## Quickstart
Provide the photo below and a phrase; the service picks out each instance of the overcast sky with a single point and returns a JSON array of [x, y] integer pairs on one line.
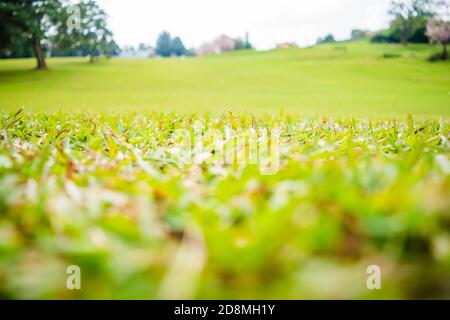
[[268, 21]]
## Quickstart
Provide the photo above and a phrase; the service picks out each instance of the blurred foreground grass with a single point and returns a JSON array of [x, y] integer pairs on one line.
[[111, 194]]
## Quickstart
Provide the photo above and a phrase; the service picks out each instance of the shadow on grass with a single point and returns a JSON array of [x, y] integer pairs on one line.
[[21, 72]]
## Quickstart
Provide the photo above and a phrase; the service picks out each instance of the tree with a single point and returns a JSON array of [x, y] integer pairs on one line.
[[439, 32], [143, 47], [110, 48], [177, 47], [408, 16], [438, 27], [248, 44], [167, 46], [164, 44], [358, 34], [329, 38], [15, 47], [441, 9], [243, 44], [239, 44], [89, 33], [30, 20]]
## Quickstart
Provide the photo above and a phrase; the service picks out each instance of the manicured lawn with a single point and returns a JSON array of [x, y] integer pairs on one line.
[[346, 78]]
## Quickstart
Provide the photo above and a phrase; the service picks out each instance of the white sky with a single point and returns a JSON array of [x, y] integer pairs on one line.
[[268, 21]]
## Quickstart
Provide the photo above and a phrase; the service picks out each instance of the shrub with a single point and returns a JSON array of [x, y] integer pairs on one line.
[[391, 55], [385, 38]]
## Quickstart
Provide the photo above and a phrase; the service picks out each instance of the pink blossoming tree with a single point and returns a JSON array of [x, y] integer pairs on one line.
[[438, 27]]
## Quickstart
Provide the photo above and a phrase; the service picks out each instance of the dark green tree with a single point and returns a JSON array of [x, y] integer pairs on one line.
[[408, 16], [329, 38], [14, 47], [241, 44], [167, 46], [86, 32], [177, 47], [164, 44], [31, 21]]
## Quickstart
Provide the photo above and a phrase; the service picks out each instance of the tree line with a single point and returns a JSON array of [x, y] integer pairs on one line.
[[36, 27], [418, 21], [166, 46], [412, 21], [59, 28]]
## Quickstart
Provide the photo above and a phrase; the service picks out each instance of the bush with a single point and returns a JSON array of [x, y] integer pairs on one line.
[[391, 36], [419, 36], [383, 38], [391, 55]]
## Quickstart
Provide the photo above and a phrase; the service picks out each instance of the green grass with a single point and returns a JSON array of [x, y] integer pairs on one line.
[[113, 195], [345, 78], [91, 176]]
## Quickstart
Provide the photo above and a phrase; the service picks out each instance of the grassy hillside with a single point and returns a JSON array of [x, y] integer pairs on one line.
[[348, 78]]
